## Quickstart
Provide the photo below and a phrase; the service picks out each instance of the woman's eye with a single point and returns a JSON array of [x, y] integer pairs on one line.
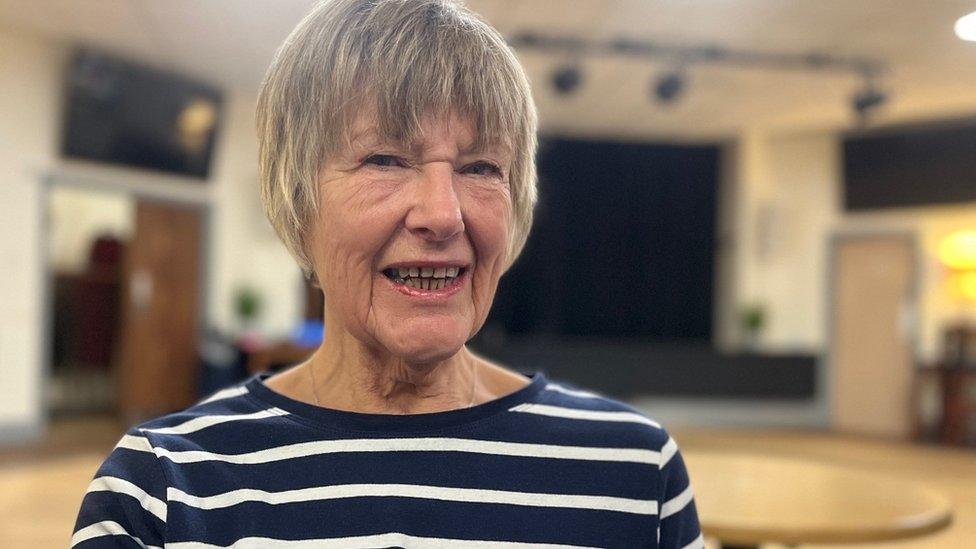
[[385, 161], [484, 169]]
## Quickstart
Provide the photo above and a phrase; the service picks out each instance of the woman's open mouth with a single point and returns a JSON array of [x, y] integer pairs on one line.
[[425, 278]]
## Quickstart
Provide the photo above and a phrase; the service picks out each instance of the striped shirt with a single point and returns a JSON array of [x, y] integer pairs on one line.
[[548, 466]]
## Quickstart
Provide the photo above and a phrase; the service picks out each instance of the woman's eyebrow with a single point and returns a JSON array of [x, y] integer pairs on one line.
[[371, 138], [366, 138]]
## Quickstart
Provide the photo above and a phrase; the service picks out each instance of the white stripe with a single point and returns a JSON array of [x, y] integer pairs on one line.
[[203, 422], [133, 442], [667, 451], [154, 505], [442, 493], [392, 539], [576, 413], [105, 528], [677, 503], [697, 543], [561, 389], [229, 392], [304, 449]]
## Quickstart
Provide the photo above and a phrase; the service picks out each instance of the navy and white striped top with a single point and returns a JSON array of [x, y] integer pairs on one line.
[[547, 466]]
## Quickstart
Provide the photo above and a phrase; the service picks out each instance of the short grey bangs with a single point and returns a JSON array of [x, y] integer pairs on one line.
[[406, 59]]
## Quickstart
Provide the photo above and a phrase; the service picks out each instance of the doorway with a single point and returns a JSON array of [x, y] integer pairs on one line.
[[873, 340], [125, 280]]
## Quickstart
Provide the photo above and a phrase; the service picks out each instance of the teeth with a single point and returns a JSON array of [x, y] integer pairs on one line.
[[424, 278]]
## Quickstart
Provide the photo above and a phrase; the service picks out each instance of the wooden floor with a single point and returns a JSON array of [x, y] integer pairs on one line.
[[41, 487]]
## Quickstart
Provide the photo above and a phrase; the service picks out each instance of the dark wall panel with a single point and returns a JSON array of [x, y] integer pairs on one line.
[[910, 166]]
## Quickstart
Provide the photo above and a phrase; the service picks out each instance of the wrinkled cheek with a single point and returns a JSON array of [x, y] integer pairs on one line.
[[335, 271], [492, 246]]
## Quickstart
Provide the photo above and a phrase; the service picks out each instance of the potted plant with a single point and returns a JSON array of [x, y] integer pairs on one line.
[[753, 319]]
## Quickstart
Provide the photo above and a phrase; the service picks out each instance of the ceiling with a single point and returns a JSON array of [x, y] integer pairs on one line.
[[932, 73]]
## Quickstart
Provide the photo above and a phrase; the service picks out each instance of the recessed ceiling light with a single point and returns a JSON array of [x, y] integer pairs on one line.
[[966, 27]]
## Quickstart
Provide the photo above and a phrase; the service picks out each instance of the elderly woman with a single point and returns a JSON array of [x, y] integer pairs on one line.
[[397, 163]]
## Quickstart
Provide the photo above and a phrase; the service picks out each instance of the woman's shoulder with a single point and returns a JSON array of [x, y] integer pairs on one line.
[[214, 408], [213, 424], [585, 410]]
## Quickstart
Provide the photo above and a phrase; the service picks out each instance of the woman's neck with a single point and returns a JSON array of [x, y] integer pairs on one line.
[[344, 374], [347, 375]]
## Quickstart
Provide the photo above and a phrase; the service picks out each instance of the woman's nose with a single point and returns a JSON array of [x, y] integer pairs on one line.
[[436, 211]]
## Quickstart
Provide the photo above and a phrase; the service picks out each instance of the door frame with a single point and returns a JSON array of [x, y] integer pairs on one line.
[[136, 185], [837, 238]]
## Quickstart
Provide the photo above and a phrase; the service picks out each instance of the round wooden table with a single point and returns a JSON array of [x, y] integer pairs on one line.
[[744, 500]]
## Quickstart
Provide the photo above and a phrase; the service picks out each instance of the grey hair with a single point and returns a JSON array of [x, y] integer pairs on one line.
[[412, 58]]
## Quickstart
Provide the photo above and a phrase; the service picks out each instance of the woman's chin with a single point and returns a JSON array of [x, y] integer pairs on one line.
[[425, 348]]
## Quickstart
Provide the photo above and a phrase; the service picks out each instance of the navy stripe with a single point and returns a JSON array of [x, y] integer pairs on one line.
[[461, 470], [362, 516]]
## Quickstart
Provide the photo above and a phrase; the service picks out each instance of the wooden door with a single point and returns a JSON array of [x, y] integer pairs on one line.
[[873, 340], [157, 369]]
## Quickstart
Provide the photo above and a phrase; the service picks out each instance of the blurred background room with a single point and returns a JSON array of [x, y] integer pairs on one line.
[[757, 225]]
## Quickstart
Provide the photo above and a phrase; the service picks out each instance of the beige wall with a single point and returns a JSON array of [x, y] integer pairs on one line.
[[31, 84], [241, 247], [76, 217], [788, 205], [781, 209], [245, 250]]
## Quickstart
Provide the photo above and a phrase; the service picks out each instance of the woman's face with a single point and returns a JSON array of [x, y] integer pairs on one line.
[[410, 240]]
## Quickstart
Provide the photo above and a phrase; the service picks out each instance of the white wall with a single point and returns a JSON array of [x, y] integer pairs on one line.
[[242, 249], [797, 216], [246, 251], [789, 206], [31, 85], [783, 194], [76, 217]]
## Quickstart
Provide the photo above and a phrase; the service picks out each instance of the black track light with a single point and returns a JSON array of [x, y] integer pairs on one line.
[[567, 79], [867, 101], [669, 87]]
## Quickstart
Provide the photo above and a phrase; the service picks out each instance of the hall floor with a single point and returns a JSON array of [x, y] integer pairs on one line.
[[42, 485]]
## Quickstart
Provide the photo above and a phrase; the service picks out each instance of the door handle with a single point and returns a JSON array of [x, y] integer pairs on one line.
[[141, 290]]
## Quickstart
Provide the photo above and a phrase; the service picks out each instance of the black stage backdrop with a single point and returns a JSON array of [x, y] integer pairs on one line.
[[623, 244]]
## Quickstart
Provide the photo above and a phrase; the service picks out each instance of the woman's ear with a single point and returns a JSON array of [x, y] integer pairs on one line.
[[312, 279]]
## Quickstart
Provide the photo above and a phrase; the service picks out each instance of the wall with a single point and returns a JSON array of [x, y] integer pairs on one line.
[[795, 218], [782, 188], [31, 83], [76, 217], [245, 250], [242, 249], [788, 202]]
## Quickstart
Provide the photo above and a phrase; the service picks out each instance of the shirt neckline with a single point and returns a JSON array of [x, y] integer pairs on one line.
[[359, 421]]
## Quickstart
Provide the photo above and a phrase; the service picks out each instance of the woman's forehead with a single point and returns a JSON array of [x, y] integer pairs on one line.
[[367, 131]]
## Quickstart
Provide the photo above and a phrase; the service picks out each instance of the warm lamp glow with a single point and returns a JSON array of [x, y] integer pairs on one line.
[[967, 285], [966, 27], [962, 286], [958, 251]]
